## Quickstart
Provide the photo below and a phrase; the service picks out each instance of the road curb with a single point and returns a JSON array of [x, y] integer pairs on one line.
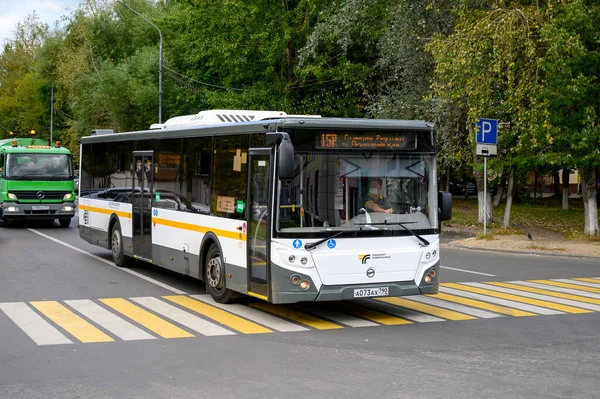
[[514, 251]]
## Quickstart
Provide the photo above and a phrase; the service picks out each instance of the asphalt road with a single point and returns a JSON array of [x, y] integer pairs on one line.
[[74, 326]]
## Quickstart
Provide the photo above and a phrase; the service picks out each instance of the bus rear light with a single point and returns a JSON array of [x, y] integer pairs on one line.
[[427, 279], [432, 273], [295, 279], [305, 285]]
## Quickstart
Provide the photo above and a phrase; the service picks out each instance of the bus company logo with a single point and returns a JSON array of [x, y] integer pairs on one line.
[[114, 205], [370, 272], [40, 195], [364, 258]]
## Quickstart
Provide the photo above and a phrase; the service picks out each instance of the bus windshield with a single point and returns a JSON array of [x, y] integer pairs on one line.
[[362, 191], [38, 166]]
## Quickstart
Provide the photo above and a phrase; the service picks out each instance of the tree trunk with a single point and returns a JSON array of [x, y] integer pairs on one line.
[[498, 197], [565, 190], [589, 189], [509, 196], [556, 181]]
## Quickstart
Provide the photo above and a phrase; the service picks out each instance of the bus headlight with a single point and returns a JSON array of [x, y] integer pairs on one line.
[[12, 196], [427, 279], [68, 196], [305, 285]]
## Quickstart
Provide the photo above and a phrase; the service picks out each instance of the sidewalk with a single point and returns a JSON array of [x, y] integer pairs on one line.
[[542, 242]]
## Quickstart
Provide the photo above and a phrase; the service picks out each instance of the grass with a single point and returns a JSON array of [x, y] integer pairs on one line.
[[546, 214]]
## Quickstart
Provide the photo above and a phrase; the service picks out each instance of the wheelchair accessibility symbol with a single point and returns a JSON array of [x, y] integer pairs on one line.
[[155, 212], [331, 244]]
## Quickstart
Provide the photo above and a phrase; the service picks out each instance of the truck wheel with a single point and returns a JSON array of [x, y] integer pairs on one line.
[[215, 277], [116, 241], [64, 222]]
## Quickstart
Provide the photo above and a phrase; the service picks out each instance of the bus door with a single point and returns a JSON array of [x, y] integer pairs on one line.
[[259, 220], [141, 199]]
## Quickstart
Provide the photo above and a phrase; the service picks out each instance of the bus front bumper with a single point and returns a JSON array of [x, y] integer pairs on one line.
[[20, 211]]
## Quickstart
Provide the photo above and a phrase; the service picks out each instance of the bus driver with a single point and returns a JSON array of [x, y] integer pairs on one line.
[[375, 200]]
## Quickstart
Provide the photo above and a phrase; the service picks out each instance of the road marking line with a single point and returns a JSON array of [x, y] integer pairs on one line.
[[223, 317], [334, 315], [373, 315], [109, 321], [499, 301], [468, 271], [34, 325], [146, 319], [514, 298], [568, 302], [257, 316], [434, 301], [421, 307], [567, 285], [70, 322], [577, 298], [182, 317], [300, 317], [581, 281], [400, 312], [557, 289], [482, 305], [134, 273]]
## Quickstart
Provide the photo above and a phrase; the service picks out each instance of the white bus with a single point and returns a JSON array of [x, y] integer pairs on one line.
[[280, 207]]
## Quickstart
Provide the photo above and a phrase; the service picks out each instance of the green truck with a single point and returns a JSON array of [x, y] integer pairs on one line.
[[36, 181]]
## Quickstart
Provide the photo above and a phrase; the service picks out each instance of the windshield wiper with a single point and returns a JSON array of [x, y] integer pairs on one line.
[[401, 224], [312, 245]]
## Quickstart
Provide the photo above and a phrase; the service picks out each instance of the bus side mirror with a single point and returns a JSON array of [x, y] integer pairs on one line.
[[285, 154], [445, 206]]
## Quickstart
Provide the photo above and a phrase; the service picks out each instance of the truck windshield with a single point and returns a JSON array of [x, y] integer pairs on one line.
[[371, 192], [38, 166]]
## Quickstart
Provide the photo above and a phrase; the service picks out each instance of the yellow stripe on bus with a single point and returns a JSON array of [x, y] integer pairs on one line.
[[567, 285], [201, 229], [517, 298], [547, 292], [223, 317], [373, 315], [482, 305], [424, 308], [70, 322], [297, 316], [146, 319], [105, 211]]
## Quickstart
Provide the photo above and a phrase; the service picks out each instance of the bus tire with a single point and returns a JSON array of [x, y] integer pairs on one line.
[[64, 222], [215, 277], [116, 241]]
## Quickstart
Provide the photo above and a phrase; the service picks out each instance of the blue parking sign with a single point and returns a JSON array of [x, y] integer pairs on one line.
[[487, 132]]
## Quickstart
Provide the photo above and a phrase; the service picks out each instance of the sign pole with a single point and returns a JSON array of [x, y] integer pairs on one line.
[[484, 196]]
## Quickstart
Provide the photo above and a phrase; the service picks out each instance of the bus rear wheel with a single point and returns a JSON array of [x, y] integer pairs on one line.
[[116, 241], [215, 277]]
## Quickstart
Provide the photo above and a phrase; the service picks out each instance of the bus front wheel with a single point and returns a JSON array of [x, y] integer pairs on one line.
[[64, 222], [116, 241], [214, 277]]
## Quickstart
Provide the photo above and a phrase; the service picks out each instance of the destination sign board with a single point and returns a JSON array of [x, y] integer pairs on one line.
[[364, 140]]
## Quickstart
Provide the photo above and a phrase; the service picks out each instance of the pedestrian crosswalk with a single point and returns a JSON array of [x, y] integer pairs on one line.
[[188, 316]]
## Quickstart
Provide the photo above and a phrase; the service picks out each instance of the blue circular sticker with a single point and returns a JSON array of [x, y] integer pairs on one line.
[[331, 244], [297, 243]]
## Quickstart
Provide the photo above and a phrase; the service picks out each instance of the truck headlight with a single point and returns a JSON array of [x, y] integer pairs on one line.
[[68, 196], [12, 196]]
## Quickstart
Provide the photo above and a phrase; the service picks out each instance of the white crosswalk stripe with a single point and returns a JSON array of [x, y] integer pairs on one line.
[[557, 289], [484, 314], [38, 329], [182, 317], [577, 282], [500, 301], [338, 317], [111, 322], [548, 298], [252, 314], [401, 312]]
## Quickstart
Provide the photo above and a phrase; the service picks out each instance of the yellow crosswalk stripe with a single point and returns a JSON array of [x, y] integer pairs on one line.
[[300, 317], [70, 322], [567, 285], [223, 317], [482, 305], [587, 280], [373, 315], [424, 308], [517, 298], [146, 319], [546, 292]]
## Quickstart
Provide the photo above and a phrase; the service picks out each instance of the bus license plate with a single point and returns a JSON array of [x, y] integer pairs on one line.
[[369, 292], [40, 208]]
